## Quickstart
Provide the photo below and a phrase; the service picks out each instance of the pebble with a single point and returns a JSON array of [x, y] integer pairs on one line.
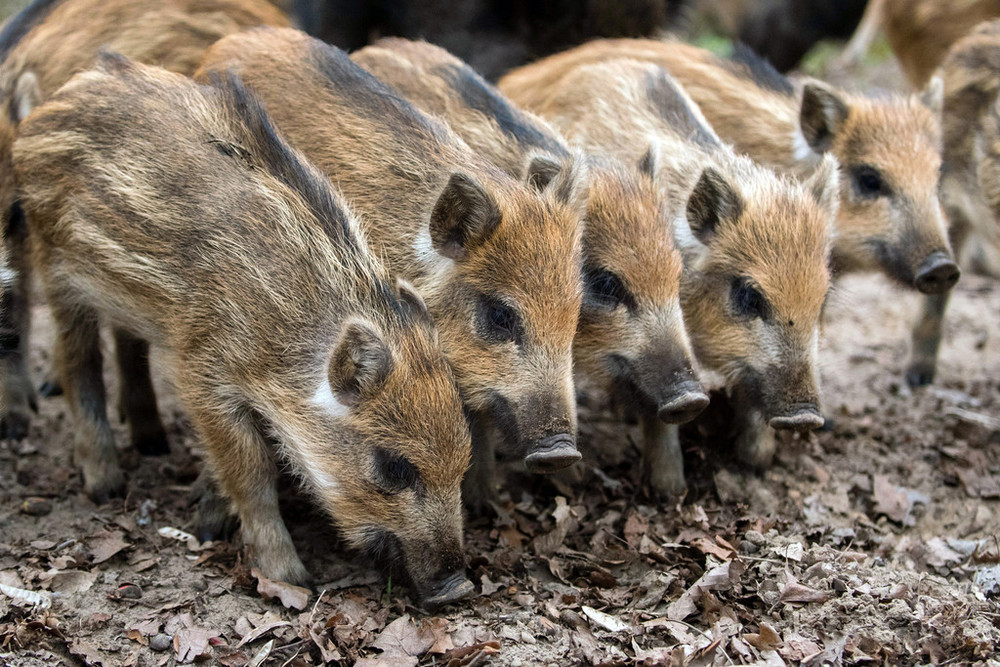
[[160, 642]]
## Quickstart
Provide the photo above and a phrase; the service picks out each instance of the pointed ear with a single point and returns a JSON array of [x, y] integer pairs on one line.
[[571, 185], [822, 114], [650, 160], [824, 184], [541, 170], [932, 96], [463, 217], [27, 96], [360, 363], [712, 201], [413, 302]]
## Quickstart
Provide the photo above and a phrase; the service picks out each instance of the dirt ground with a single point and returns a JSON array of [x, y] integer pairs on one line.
[[877, 542]]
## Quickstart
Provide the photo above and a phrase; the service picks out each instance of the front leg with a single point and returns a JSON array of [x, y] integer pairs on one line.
[[247, 475], [662, 456], [755, 443], [136, 397], [479, 483]]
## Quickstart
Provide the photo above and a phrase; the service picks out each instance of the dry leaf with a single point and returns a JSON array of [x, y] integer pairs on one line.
[[606, 621], [719, 578], [438, 628], [260, 656], [192, 643], [26, 597], [69, 582], [796, 592], [766, 640], [268, 623], [105, 545], [88, 653], [290, 595], [890, 499], [403, 637]]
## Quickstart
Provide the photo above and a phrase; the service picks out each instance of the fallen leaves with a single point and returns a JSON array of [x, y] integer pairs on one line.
[[721, 577], [290, 596], [105, 545], [605, 621]]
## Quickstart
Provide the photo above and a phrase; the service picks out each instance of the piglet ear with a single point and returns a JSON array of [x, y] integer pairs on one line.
[[650, 160], [413, 302], [464, 216], [27, 96], [822, 115], [712, 202], [360, 363], [824, 184], [541, 172]]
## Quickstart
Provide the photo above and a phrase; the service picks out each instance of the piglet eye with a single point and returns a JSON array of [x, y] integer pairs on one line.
[[498, 321], [869, 182], [605, 288], [395, 472], [747, 300]]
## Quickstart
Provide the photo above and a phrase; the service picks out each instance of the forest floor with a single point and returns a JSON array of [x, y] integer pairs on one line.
[[876, 542]]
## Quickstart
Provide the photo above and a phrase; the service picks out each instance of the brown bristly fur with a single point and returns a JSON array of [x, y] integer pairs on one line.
[[768, 232], [922, 31], [482, 247], [634, 341], [174, 212], [971, 139], [888, 148], [42, 47]]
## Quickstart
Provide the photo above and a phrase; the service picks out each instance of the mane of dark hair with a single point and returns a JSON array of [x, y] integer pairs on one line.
[[370, 95], [760, 70], [666, 97], [20, 24], [486, 99], [265, 149]]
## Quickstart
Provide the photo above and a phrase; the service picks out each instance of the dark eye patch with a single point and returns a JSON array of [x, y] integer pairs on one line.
[[394, 471], [869, 182], [499, 322], [748, 301], [606, 289]]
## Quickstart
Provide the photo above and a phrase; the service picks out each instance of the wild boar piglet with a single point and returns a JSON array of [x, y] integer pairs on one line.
[[631, 336], [756, 247], [41, 47], [497, 261], [175, 212], [888, 148]]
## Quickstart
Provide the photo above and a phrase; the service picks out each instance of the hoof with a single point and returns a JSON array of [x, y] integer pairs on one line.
[[552, 454], [668, 487], [112, 487], [920, 375], [151, 444], [50, 389], [14, 426]]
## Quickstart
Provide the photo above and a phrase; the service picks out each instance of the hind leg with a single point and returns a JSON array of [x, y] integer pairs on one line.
[[136, 398], [78, 356], [17, 397]]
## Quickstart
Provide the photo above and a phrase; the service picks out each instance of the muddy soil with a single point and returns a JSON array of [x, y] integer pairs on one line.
[[874, 542]]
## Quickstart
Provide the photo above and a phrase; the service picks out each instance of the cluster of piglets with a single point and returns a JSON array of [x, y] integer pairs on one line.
[[378, 270]]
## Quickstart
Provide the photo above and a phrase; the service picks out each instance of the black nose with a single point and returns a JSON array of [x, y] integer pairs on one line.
[[685, 405], [937, 274], [800, 418], [552, 453], [452, 588]]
